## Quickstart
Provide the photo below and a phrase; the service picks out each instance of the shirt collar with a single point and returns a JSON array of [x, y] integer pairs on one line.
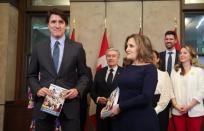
[[114, 69], [61, 41], [173, 51]]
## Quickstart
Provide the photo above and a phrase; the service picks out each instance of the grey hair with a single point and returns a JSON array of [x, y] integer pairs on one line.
[[113, 49]]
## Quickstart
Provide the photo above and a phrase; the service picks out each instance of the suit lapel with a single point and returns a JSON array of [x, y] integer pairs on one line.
[[66, 53], [165, 60], [104, 74], [48, 56], [177, 56], [116, 75]]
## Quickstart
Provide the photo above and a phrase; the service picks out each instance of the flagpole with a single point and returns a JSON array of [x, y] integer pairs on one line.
[[175, 22], [105, 24], [74, 23], [142, 17], [140, 22], [140, 26], [105, 15]]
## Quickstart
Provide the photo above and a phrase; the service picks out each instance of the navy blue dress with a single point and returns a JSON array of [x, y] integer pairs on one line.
[[137, 85]]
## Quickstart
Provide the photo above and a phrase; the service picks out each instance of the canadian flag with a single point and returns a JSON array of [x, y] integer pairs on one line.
[[72, 37], [102, 57], [100, 64], [177, 44]]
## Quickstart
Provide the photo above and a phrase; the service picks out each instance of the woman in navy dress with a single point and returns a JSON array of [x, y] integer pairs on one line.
[[137, 83]]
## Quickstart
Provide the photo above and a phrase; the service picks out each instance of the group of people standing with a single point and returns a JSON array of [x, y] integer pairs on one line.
[[153, 86], [147, 92]]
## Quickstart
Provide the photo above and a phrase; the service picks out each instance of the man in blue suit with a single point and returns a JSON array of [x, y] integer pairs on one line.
[[59, 61]]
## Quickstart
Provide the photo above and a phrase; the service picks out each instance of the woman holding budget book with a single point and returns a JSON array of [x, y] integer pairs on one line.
[[137, 84]]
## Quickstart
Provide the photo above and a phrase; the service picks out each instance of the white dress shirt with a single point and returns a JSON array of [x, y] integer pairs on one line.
[[107, 73], [114, 72]]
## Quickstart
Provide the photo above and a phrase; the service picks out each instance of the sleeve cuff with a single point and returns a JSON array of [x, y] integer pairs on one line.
[[198, 99], [157, 109]]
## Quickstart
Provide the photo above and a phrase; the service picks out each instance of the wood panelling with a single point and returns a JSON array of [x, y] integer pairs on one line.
[[17, 117]]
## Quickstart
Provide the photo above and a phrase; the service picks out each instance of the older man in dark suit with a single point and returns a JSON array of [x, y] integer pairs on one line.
[[104, 84], [59, 61]]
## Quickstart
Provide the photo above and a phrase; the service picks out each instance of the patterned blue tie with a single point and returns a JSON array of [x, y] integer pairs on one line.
[[55, 55], [169, 63]]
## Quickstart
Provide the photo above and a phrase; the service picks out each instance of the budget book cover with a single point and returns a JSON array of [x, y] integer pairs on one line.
[[53, 104]]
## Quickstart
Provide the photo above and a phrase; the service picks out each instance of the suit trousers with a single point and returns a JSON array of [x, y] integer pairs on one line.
[[164, 118], [48, 123], [103, 124]]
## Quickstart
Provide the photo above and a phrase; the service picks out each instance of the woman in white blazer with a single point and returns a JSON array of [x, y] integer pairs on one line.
[[188, 87]]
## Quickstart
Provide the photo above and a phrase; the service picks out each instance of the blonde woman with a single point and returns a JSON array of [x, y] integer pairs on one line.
[[188, 87]]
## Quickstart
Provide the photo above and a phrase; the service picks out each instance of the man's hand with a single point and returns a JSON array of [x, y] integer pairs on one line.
[[102, 100], [43, 92], [71, 94]]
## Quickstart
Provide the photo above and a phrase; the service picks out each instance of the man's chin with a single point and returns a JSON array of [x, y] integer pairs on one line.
[[57, 36], [169, 47]]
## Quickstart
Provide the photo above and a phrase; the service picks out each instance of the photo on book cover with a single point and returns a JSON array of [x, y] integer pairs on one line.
[[112, 100], [53, 104]]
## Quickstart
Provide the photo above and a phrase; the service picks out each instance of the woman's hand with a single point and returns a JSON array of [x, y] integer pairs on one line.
[[115, 110], [181, 108]]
